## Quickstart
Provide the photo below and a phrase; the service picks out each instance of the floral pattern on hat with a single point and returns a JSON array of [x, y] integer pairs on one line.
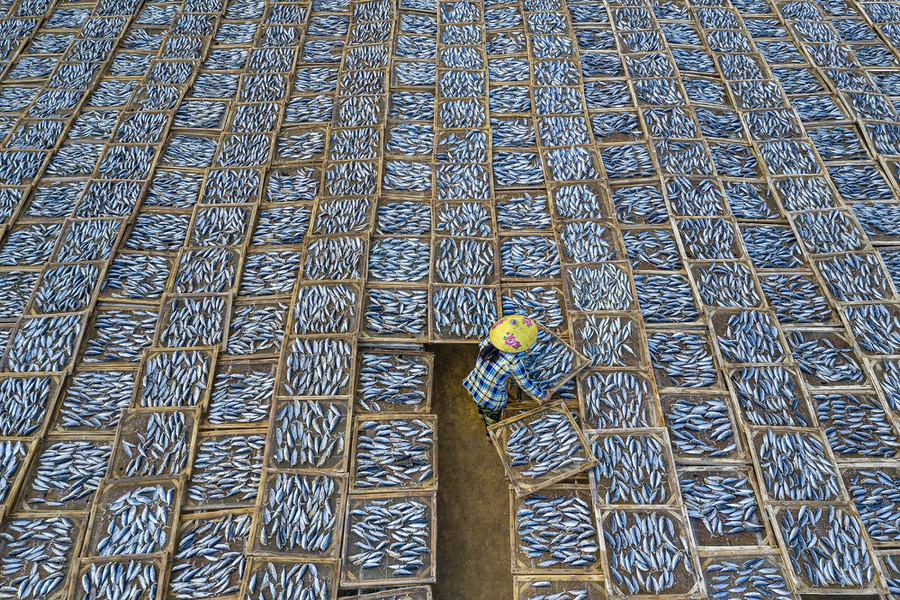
[[511, 340]]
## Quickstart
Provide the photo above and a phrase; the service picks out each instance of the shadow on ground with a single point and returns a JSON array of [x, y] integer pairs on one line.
[[473, 493]]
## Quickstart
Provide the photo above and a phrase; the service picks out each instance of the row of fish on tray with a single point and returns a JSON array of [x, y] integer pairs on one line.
[[643, 70], [760, 406], [551, 527], [511, 168], [751, 576], [781, 405], [848, 276], [704, 238], [654, 288], [607, 339]]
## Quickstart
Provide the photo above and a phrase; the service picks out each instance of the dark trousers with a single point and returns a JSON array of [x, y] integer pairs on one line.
[[490, 416]]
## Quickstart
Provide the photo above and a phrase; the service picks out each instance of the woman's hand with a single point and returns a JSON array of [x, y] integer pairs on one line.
[[546, 397]]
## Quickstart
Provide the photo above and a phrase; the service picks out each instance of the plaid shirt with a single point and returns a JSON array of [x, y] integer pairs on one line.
[[487, 381]]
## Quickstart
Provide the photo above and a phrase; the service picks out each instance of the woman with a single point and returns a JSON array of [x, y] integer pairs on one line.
[[498, 358]]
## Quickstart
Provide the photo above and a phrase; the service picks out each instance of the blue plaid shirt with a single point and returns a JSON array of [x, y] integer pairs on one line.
[[487, 381]]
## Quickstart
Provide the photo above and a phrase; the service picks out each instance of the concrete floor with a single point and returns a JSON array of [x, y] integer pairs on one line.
[[473, 493]]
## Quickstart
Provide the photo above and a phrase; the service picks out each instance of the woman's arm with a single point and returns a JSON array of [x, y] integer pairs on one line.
[[531, 387]]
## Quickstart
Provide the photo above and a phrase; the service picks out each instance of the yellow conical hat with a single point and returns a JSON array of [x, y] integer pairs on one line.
[[514, 333]]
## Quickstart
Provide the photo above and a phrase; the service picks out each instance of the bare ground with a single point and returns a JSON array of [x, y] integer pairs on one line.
[[473, 493]]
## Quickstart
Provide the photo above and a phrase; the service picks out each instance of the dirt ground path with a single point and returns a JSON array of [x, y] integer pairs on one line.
[[473, 493]]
